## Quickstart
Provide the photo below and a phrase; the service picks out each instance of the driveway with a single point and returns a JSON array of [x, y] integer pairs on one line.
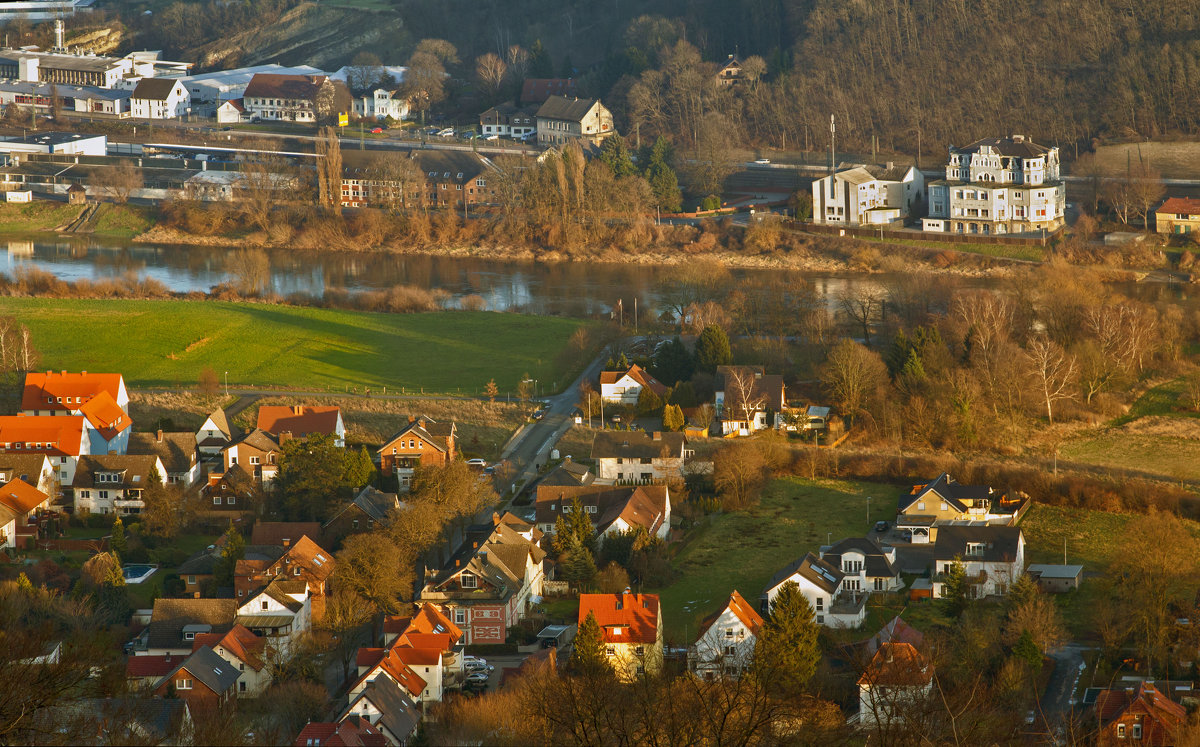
[[1058, 699]]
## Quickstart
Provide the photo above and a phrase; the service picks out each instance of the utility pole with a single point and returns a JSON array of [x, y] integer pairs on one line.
[[868, 510], [635, 314]]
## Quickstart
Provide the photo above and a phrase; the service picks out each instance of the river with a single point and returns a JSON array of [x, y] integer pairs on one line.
[[580, 289]]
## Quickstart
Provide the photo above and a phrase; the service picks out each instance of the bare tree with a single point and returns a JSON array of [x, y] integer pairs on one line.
[[862, 307], [851, 375], [491, 70], [364, 72], [251, 269], [396, 182], [742, 390], [1052, 371], [329, 168], [518, 61], [118, 182]]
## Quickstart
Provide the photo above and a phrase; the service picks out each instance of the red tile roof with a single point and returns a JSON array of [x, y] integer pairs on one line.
[[21, 497], [638, 374], [417, 657], [369, 657], [1180, 206], [623, 618], [309, 555], [105, 415], [897, 664], [353, 731], [239, 641], [275, 85], [399, 670], [299, 420], [79, 387], [429, 619], [152, 666], [276, 532], [436, 641], [741, 609], [53, 435]]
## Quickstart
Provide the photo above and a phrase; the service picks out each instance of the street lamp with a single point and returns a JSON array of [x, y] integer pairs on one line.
[[226, 383], [868, 510]]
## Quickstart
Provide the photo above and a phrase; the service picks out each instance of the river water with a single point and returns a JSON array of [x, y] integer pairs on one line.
[[581, 289]]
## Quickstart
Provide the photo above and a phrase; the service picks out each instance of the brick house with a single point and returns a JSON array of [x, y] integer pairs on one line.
[[422, 442], [204, 681], [1142, 716], [302, 421], [258, 452], [488, 582]]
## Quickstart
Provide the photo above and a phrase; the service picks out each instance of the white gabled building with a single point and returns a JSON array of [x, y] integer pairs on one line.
[[725, 647], [993, 556], [866, 566], [115, 483], [868, 195], [160, 98], [624, 387], [280, 613], [998, 186], [821, 584]]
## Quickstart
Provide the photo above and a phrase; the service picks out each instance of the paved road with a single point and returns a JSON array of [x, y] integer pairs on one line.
[[1058, 700]]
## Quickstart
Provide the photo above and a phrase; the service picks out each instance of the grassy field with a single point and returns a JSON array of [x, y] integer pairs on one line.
[[1175, 160], [1000, 251], [168, 344], [117, 221], [1172, 458], [743, 550]]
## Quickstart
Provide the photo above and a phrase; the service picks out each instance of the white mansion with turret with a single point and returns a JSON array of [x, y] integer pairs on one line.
[[998, 186]]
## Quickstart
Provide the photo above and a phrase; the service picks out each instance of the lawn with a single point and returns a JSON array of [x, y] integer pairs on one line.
[[1028, 252], [1172, 458], [1091, 536], [743, 550], [168, 344], [42, 215], [121, 221]]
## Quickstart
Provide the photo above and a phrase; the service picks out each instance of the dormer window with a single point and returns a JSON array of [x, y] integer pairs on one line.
[[469, 581], [975, 548]]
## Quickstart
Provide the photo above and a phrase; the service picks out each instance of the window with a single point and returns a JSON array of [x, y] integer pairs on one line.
[[730, 650], [1137, 731], [296, 571], [921, 505], [189, 636], [254, 460], [242, 684], [729, 632], [191, 580], [182, 684], [263, 604], [646, 460], [820, 604], [460, 616], [216, 500], [1120, 731], [469, 581], [641, 650], [230, 500], [610, 650]]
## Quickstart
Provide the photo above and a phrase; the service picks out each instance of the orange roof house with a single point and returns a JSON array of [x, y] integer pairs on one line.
[[626, 386], [42, 434], [897, 678], [53, 393], [106, 416], [631, 627], [302, 421], [428, 620], [22, 498]]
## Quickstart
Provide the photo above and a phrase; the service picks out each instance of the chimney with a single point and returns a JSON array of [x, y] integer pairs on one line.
[[1018, 138], [656, 436], [891, 165], [297, 409], [62, 373], [411, 419], [483, 555], [285, 437], [160, 435], [287, 542], [421, 422], [81, 373]]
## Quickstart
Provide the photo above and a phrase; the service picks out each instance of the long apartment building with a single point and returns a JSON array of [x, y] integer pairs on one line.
[[1007, 185]]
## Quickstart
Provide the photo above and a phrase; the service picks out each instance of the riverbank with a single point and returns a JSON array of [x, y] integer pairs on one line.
[[111, 220], [159, 343]]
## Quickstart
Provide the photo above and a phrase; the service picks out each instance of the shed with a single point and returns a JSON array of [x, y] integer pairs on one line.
[[1055, 579], [922, 588], [556, 636], [76, 194]]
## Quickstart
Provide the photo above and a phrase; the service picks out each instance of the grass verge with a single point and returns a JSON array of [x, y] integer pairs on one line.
[[1000, 251], [168, 344]]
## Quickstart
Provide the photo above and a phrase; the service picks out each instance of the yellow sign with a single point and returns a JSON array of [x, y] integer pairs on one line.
[[343, 120]]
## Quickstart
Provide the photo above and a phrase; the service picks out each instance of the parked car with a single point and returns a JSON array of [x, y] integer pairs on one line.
[[882, 526], [476, 661], [448, 132], [376, 130], [492, 137], [762, 161], [539, 414], [489, 470], [477, 678], [476, 462]]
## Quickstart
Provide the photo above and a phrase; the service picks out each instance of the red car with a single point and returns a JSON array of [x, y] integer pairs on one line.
[[377, 131]]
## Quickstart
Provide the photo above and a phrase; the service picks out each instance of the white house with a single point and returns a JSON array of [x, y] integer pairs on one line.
[[624, 387], [381, 104], [821, 584], [637, 456], [280, 612], [215, 434], [178, 452], [231, 111], [114, 483], [287, 98], [725, 647], [998, 186], [560, 119], [506, 120], [747, 399], [867, 195], [993, 556], [865, 565], [159, 98], [898, 678], [388, 708]]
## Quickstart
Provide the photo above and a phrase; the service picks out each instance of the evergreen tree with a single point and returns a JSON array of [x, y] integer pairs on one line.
[[684, 395], [787, 652], [117, 542], [233, 551], [615, 154], [664, 183], [360, 470], [672, 418], [1023, 590], [712, 349], [673, 362], [540, 64], [648, 401], [1027, 651], [622, 363], [954, 588], [579, 567], [589, 656]]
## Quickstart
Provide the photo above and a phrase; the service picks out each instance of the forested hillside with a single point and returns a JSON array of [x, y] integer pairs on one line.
[[952, 69]]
